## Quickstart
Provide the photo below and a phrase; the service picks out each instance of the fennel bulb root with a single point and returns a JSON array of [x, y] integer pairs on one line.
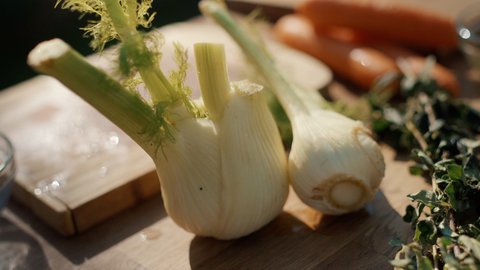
[[334, 165], [220, 160]]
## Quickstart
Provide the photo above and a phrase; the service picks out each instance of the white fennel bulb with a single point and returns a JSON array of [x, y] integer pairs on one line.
[[226, 177], [222, 166], [334, 164]]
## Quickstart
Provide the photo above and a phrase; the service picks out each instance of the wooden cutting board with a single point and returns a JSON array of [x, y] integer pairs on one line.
[[75, 168]]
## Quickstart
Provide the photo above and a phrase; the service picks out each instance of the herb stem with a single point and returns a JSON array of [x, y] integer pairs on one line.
[[416, 134], [435, 257], [428, 110]]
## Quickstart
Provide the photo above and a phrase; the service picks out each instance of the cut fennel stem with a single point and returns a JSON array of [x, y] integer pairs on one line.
[[334, 165], [223, 177]]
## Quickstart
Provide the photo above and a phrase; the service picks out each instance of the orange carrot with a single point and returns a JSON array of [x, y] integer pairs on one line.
[[391, 20], [444, 77], [345, 34], [356, 56], [361, 65]]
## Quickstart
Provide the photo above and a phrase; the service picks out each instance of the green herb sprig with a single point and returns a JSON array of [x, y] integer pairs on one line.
[[442, 134]]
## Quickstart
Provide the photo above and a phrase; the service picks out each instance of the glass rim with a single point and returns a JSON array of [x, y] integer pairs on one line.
[[9, 153]]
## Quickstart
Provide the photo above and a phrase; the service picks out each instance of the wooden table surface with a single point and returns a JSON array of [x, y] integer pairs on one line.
[[146, 238]]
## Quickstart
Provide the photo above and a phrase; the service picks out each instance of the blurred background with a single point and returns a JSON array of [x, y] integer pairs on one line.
[[25, 23]]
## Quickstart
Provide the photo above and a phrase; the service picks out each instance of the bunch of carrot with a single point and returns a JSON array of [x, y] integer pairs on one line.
[[363, 40]]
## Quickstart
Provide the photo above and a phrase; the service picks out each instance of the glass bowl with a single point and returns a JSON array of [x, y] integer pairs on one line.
[[7, 169]]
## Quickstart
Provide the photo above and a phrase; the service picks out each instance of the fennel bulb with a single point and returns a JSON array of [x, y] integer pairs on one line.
[[220, 160], [334, 165]]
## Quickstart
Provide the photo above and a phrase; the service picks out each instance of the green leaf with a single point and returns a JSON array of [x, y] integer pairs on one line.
[[410, 214], [426, 197], [451, 191], [422, 158], [424, 263], [425, 232], [380, 125], [417, 169], [442, 165], [455, 171], [445, 241]]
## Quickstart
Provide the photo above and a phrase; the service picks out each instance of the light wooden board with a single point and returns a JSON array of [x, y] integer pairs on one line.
[[75, 168]]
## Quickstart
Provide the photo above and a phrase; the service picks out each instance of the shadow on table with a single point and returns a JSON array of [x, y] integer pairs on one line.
[[19, 250], [354, 241], [80, 248]]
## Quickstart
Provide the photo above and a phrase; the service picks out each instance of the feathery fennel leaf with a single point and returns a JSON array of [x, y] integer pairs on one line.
[[177, 79], [139, 56], [101, 28]]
